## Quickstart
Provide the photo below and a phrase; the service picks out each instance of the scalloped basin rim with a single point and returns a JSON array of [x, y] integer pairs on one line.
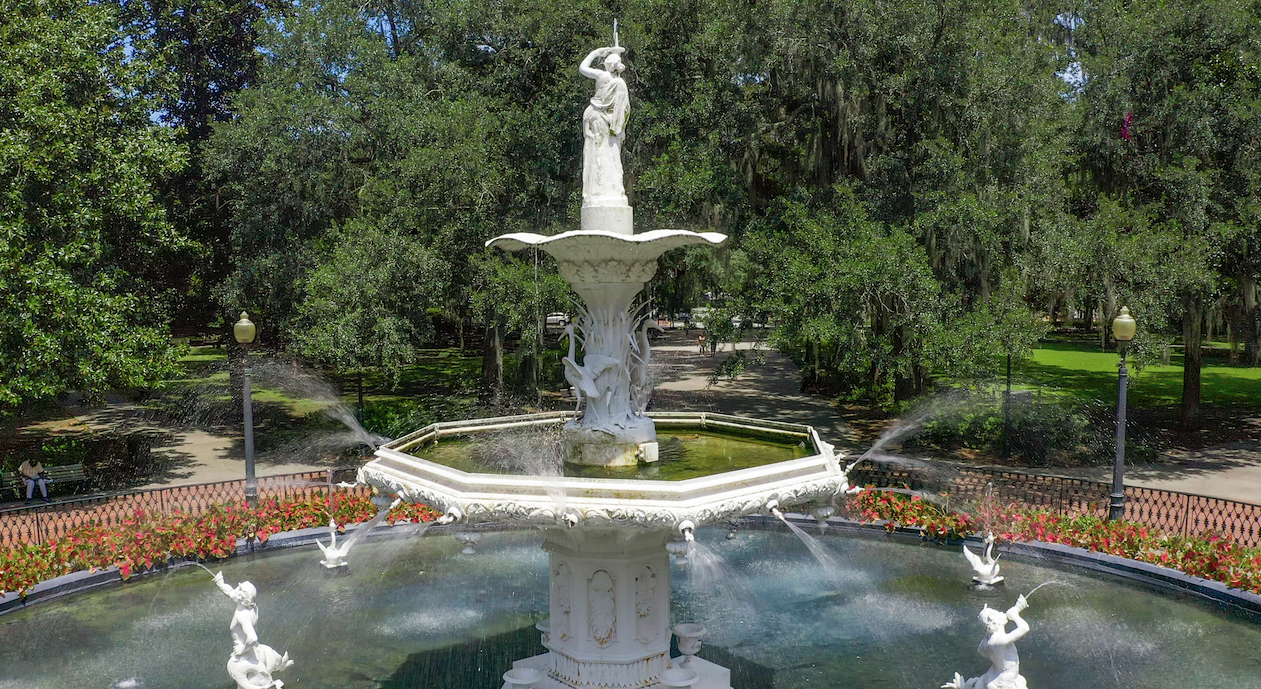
[[628, 485], [532, 239]]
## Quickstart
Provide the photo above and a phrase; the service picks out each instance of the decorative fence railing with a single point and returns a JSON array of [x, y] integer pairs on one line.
[[1168, 511], [42, 523]]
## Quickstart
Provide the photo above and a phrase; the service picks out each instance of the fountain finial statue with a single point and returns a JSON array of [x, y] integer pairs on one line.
[[251, 664], [999, 647], [603, 126], [607, 264]]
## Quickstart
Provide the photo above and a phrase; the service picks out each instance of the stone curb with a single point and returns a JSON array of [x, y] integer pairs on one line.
[[1144, 573]]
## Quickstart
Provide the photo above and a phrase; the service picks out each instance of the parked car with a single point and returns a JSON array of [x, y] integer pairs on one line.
[[556, 321]]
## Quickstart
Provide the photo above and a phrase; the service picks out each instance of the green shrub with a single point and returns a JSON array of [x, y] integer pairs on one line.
[[397, 418], [1041, 433]]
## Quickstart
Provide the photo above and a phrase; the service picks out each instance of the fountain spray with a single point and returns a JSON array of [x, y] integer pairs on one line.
[[1053, 581]]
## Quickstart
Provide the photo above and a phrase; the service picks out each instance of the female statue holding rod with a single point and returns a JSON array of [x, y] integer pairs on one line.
[[603, 125]]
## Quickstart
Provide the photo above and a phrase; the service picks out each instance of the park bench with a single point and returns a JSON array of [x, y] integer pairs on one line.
[[69, 473]]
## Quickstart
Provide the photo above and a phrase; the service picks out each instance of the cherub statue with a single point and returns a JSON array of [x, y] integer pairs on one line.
[[986, 567], [603, 125], [252, 664], [1000, 649]]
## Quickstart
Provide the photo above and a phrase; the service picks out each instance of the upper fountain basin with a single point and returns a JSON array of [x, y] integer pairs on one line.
[[782, 476], [595, 256]]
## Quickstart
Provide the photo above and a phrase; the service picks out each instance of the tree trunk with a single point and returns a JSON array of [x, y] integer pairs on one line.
[[1251, 334], [1192, 318], [492, 362], [459, 333], [360, 396], [906, 380], [1103, 327]]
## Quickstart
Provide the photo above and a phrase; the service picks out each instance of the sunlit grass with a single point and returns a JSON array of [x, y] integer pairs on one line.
[[1084, 372]]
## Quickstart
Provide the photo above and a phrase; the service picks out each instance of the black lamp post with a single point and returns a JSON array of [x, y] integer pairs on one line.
[[244, 331], [1123, 331]]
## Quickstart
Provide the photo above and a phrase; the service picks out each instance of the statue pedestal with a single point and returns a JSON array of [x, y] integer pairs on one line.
[[617, 219], [610, 612]]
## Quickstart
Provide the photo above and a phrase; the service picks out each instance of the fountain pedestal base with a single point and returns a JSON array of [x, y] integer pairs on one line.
[[709, 675], [610, 612]]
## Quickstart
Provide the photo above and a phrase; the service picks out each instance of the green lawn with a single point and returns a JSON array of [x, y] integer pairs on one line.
[[1080, 370], [442, 380]]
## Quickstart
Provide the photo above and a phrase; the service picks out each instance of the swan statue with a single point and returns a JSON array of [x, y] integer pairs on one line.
[[583, 377], [335, 555], [985, 567]]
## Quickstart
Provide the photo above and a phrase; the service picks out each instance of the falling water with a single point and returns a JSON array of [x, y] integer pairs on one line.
[[305, 384], [206, 406], [340, 552], [193, 562], [709, 571], [532, 451], [830, 566]]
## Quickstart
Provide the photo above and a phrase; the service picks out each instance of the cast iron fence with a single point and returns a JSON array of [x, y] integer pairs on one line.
[[47, 522], [1168, 511]]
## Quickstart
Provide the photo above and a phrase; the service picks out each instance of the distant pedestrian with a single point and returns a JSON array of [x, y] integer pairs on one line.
[[33, 472]]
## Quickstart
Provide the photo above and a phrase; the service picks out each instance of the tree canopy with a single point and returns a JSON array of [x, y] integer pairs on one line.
[[910, 189]]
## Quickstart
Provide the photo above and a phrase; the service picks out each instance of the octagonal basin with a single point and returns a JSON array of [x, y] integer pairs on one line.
[[707, 467]]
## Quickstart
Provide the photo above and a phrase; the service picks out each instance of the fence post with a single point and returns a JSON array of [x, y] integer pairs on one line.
[[1061, 482], [1186, 519], [39, 528]]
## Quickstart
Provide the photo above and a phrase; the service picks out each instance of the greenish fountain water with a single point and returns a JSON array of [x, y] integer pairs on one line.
[[415, 613], [684, 453]]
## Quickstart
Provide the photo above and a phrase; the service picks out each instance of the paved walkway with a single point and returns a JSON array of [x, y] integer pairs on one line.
[[1231, 471], [180, 455], [771, 390]]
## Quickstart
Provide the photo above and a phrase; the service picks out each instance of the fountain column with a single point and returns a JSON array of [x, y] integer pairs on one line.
[[610, 612]]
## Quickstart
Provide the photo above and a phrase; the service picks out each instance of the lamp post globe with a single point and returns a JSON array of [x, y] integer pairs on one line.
[[1123, 328], [244, 331]]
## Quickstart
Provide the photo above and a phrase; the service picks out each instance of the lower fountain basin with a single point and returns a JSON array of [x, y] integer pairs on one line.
[[413, 612]]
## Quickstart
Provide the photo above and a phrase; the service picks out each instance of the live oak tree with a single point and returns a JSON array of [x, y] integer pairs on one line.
[[83, 234], [1170, 132], [366, 305]]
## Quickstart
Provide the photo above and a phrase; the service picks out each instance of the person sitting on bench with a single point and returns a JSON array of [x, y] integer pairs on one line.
[[33, 472]]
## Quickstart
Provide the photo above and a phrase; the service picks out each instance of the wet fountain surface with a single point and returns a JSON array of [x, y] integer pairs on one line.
[[413, 612], [684, 453]]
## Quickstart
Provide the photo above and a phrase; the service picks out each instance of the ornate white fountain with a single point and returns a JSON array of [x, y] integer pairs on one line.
[[609, 623]]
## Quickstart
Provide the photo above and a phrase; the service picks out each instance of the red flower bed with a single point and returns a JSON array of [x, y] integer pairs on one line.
[[1210, 556], [149, 539]]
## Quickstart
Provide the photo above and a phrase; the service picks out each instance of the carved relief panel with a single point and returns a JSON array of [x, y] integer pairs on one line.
[[646, 605], [602, 607], [563, 592]]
